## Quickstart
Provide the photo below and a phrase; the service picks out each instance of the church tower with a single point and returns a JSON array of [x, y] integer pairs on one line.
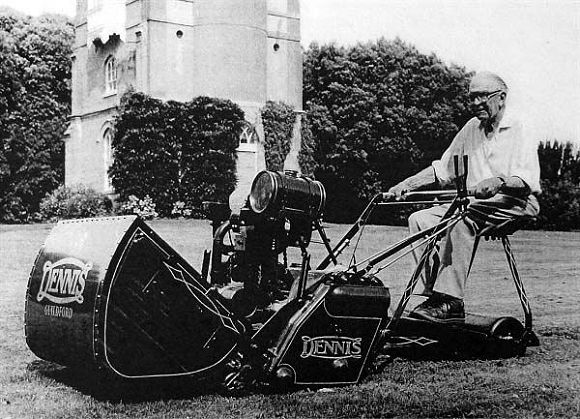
[[247, 51]]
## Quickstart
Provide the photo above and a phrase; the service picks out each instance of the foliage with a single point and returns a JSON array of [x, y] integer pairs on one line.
[[278, 120], [559, 161], [560, 198], [175, 151], [141, 149], [378, 112], [559, 205], [144, 208], [306, 160], [180, 210], [74, 202], [35, 72]]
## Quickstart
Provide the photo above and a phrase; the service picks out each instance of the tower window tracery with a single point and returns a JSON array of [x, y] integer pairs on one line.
[[108, 157], [110, 75]]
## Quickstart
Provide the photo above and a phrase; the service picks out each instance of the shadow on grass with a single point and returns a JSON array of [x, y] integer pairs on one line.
[[104, 387]]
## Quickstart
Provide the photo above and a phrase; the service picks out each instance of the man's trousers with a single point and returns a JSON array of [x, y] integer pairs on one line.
[[457, 247]]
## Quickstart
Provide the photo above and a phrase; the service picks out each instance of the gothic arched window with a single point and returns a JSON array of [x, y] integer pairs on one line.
[[248, 138], [108, 157], [110, 75]]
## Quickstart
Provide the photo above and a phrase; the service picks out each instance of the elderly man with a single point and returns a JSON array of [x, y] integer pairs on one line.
[[504, 173]]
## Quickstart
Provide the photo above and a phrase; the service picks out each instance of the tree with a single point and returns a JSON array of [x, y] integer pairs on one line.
[[175, 152], [278, 120], [144, 157], [35, 73], [560, 180], [379, 112], [209, 149]]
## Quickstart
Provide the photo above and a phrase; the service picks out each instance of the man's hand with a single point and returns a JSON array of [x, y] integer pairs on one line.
[[399, 190], [424, 178], [488, 187]]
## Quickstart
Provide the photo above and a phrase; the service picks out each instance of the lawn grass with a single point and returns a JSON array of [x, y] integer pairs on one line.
[[545, 383]]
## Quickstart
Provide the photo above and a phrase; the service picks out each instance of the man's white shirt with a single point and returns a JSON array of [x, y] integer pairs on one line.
[[508, 152]]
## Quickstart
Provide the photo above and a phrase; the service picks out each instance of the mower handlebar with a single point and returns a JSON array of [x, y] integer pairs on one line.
[[438, 195]]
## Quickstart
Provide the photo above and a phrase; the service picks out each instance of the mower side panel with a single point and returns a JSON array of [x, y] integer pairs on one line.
[[160, 319], [328, 341]]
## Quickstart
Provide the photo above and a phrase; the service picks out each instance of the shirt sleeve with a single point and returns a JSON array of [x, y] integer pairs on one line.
[[524, 162], [444, 167]]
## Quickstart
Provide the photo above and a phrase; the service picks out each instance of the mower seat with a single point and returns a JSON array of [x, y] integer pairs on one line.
[[507, 228]]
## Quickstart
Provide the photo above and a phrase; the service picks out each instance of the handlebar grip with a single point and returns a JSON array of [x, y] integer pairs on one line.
[[387, 196]]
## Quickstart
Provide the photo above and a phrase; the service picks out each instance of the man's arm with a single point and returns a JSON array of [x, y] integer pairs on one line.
[[440, 171], [515, 186], [523, 176], [512, 185], [424, 178]]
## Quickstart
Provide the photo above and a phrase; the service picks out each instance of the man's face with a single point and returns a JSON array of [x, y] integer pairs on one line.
[[487, 98]]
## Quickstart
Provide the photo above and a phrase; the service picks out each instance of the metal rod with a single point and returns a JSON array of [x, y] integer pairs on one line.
[[518, 283], [412, 248], [425, 241], [303, 275], [392, 325], [379, 256], [451, 193], [433, 202], [345, 240], [325, 240]]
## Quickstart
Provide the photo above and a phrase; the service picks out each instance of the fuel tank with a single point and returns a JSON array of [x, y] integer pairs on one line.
[[110, 293]]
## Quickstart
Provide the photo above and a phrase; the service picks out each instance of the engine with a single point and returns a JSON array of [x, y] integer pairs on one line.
[[249, 263]]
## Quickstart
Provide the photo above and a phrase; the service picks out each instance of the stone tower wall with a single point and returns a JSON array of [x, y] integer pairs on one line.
[[247, 51]]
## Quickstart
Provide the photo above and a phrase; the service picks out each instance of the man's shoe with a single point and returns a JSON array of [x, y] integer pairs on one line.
[[440, 308]]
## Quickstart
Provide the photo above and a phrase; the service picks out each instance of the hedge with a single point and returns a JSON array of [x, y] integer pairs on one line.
[[175, 152]]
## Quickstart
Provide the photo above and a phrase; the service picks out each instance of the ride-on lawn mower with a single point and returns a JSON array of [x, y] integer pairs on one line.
[[110, 293]]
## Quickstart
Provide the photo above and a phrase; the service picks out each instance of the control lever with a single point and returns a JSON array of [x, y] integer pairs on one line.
[[461, 180]]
